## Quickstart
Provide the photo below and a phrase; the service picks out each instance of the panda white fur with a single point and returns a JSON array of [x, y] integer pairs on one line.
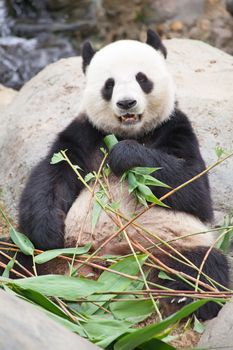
[[129, 92]]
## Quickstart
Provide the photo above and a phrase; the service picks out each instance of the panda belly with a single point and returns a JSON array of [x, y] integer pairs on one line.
[[161, 223]]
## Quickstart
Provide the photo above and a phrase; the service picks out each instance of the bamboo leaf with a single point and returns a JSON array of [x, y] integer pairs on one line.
[[135, 311], [198, 326], [57, 158], [96, 211], [22, 242], [132, 181], [97, 207], [113, 282], [141, 198], [164, 276], [140, 336], [89, 177], [144, 170], [51, 254], [153, 199], [144, 190], [9, 266], [73, 327], [156, 344], [151, 181], [69, 288], [42, 301], [103, 332]]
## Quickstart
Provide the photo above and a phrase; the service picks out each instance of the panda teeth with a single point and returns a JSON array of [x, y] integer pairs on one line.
[[129, 118]]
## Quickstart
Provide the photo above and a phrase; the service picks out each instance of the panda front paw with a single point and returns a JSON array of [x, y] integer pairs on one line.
[[204, 313], [124, 156]]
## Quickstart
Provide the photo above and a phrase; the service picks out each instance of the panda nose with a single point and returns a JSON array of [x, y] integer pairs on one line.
[[126, 104]]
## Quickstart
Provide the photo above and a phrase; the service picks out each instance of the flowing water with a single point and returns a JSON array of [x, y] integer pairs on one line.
[[34, 33]]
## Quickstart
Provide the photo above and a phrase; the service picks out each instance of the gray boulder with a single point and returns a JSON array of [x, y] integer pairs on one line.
[[47, 103], [219, 331], [24, 326]]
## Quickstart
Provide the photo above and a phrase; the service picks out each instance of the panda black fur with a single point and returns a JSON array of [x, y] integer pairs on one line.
[[124, 79]]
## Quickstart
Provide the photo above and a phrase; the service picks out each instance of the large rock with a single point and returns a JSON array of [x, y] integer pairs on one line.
[[6, 96], [218, 333], [24, 326], [47, 103]]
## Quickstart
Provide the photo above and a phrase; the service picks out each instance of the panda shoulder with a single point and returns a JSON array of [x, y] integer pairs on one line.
[[79, 132], [180, 124]]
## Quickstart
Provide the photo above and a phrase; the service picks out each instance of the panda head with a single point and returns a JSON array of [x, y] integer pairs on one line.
[[129, 90]]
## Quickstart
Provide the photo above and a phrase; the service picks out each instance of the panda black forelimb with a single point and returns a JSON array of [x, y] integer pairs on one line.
[[178, 155], [51, 189]]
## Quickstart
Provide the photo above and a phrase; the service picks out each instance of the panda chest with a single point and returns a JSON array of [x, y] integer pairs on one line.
[[87, 221]]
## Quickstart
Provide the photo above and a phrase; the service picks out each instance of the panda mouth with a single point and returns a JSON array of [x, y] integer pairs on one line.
[[130, 119]]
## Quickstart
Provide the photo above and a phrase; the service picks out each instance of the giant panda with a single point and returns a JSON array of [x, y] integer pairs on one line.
[[130, 93]]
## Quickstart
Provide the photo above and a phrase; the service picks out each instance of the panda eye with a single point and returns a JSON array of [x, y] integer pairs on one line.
[[145, 83], [107, 89], [109, 84], [141, 78]]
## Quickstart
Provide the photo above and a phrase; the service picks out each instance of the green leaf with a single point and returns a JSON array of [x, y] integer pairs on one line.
[[132, 182], [144, 190], [112, 282], [40, 300], [22, 242], [124, 176], [198, 326], [9, 266], [225, 242], [135, 311], [153, 199], [151, 181], [103, 150], [51, 254], [103, 332], [96, 211], [140, 336], [89, 177], [156, 344], [219, 151], [73, 327], [148, 195], [69, 288], [164, 276], [95, 214], [57, 158], [144, 170], [141, 198], [114, 205], [107, 170], [110, 141]]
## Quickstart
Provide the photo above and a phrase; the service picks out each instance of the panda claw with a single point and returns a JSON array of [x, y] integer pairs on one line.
[[181, 300], [178, 300]]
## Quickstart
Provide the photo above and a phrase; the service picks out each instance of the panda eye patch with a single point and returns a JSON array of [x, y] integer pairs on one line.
[[109, 84], [144, 82], [107, 89], [141, 78]]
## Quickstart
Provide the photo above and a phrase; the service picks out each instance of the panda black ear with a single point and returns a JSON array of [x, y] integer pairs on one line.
[[153, 39], [87, 54]]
